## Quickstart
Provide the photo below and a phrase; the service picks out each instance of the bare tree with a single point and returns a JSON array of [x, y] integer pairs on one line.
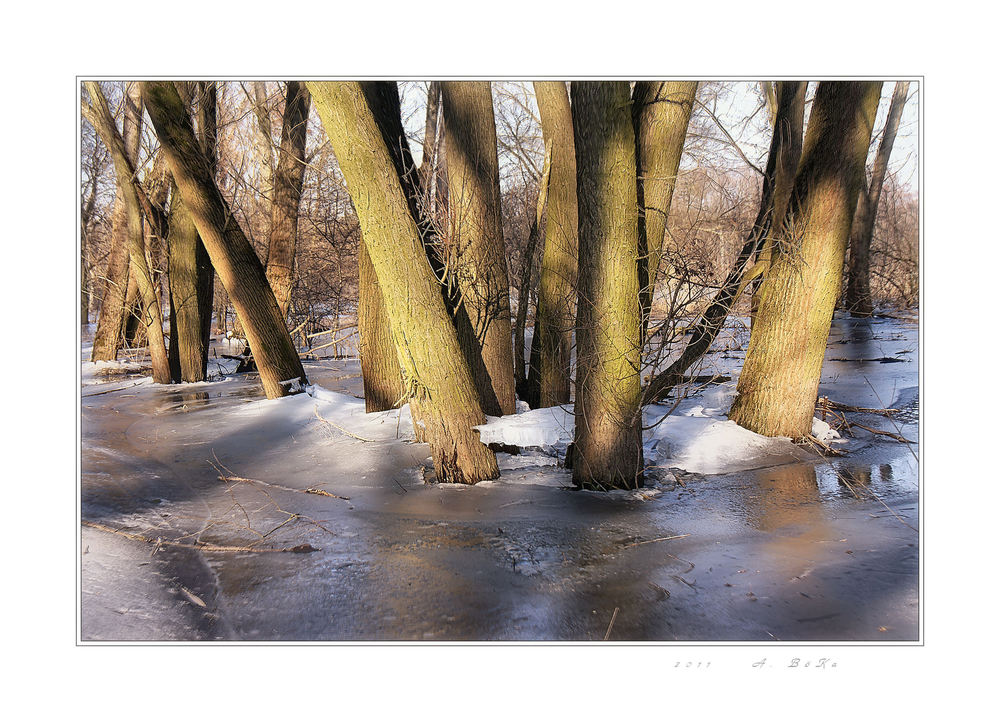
[[858, 297], [552, 341], [608, 441], [777, 387], [476, 237], [238, 266], [99, 115], [436, 378]]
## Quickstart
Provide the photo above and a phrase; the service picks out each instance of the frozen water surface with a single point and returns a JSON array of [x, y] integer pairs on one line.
[[783, 545]]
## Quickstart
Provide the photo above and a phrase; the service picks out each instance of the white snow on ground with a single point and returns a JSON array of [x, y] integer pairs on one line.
[[696, 437], [541, 427], [98, 372]]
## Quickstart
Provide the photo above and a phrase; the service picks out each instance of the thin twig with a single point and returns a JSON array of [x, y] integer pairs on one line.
[[341, 428], [201, 546], [607, 635], [650, 541]]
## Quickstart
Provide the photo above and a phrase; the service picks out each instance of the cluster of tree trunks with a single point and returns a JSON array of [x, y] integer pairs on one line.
[[434, 312]]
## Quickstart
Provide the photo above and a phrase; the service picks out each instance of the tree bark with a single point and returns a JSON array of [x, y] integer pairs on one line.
[[287, 192], [108, 337], [524, 287], [858, 298], [380, 371], [608, 440], [191, 277], [778, 385], [476, 235], [660, 115], [150, 310], [782, 160], [437, 380], [234, 259], [552, 341]]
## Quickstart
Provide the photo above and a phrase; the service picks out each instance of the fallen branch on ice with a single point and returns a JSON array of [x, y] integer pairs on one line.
[[201, 546]]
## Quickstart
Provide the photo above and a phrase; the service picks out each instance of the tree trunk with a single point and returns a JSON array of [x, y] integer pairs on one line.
[[858, 299], [287, 192], [660, 115], [782, 160], [108, 337], [608, 439], [150, 311], [234, 259], [437, 380], [476, 234], [192, 278], [524, 287], [552, 341], [379, 366], [778, 385]]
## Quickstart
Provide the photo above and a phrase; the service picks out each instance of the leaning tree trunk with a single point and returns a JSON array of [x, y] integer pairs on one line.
[[780, 378], [234, 259], [437, 380], [191, 277], [110, 324], [287, 191], [608, 438], [552, 341], [782, 160], [858, 298], [660, 115], [150, 311], [380, 372], [476, 233]]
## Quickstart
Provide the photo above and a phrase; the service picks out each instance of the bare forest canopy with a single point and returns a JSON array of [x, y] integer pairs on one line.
[[597, 233]]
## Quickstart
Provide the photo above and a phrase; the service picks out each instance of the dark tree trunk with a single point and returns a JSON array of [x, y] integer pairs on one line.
[[858, 298], [234, 259], [524, 287], [608, 439], [476, 236], [191, 277], [552, 340], [287, 192]]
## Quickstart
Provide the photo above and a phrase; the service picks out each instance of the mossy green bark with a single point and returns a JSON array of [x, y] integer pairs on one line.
[[608, 441], [436, 377], [780, 378]]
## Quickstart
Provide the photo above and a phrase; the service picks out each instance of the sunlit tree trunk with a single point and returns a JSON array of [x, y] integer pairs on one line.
[[111, 322], [287, 192], [476, 234], [782, 160], [234, 259], [552, 341], [437, 380], [660, 115], [150, 310], [108, 337], [608, 441], [858, 298], [778, 385]]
